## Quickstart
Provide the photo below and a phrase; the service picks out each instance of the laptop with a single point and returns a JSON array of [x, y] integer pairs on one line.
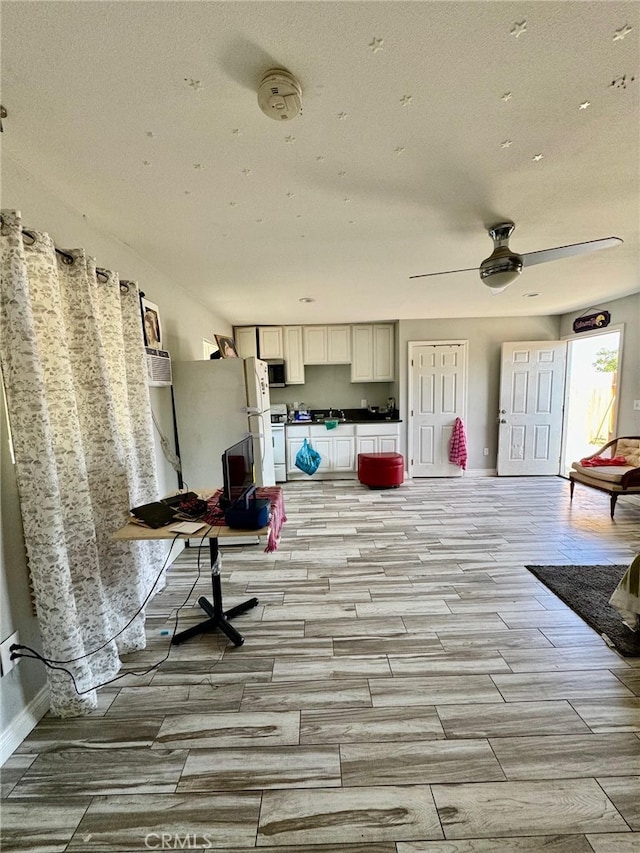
[[155, 514]]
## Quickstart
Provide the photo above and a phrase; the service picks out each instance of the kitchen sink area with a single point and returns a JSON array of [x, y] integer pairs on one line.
[[339, 439], [345, 416], [338, 434]]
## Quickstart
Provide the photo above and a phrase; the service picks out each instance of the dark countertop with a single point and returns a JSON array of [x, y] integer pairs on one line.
[[352, 416], [347, 421], [378, 420]]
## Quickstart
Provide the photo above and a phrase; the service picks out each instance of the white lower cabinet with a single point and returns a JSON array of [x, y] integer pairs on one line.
[[343, 453], [279, 452], [377, 438], [339, 447], [336, 448], [378, 444]]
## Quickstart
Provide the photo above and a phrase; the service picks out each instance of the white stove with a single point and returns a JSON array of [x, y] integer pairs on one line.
[[278, 420]]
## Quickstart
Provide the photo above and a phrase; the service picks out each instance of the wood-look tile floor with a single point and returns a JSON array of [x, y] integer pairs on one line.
[[405, 686]]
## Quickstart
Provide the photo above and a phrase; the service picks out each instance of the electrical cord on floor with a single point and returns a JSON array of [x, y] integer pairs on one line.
[[121, 631], [54, 664]]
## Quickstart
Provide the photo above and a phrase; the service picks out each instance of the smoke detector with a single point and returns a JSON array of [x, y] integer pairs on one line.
[[280, 95]]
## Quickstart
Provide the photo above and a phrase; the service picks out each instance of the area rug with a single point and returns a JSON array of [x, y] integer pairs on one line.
[[587, 590]]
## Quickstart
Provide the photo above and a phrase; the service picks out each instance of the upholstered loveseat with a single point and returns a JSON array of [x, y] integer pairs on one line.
[[614, 479]]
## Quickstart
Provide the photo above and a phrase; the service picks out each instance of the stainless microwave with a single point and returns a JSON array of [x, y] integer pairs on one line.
[[275, 367]]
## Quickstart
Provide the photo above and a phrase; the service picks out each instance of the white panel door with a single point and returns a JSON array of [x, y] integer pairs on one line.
[[438, 385], [531, 400]]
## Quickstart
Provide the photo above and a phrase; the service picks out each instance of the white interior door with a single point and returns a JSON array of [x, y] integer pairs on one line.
[[438, 392], [531, 400]]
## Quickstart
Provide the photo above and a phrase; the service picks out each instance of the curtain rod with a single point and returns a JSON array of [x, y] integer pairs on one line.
[[68, 259]]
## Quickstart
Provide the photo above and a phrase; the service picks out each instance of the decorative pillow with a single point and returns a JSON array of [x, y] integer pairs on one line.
[[630, 449]]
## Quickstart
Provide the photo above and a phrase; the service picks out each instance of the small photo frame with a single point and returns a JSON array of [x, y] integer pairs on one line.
[[151, 324], [227, 346]]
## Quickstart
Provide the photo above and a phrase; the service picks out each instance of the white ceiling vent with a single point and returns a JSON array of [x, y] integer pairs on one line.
[[280, 95]]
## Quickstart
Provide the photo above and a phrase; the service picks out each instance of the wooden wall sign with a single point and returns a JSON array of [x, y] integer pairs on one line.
[[591, 321]]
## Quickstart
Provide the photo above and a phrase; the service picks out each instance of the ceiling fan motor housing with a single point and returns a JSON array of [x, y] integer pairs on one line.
[[280, 95], [503, 266]]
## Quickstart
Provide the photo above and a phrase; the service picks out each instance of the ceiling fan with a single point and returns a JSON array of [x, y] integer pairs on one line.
[[503, 265]]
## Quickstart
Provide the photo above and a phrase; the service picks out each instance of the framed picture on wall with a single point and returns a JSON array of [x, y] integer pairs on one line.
[[210, 349], [151, 324], [227, 346]]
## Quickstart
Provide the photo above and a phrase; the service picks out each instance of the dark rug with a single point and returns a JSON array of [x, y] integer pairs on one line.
[[587, 590]]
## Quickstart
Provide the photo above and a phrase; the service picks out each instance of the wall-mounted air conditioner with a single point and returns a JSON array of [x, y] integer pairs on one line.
[[158, 366]]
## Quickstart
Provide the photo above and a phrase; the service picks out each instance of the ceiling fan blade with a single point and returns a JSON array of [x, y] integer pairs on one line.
[[544, 255], [446, 272]]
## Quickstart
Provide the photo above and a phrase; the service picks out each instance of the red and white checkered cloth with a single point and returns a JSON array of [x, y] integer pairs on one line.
[[458, 445]]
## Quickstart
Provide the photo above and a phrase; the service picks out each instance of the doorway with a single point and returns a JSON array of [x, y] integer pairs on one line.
[[591, 406], [437, 396], [532, 387]]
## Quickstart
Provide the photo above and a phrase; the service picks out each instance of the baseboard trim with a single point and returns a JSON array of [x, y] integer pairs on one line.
[[481, 472], [23, 723]]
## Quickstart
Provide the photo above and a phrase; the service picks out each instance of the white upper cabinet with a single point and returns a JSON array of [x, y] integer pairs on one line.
[[367, 347], [293, 361], [270, 342], [326, 344], [372, 355], [362, 353], [383, 361], [314, 344], [246, 341], [338, 344]]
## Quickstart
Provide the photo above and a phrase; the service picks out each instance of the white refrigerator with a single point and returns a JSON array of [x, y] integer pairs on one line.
[[217, 402]]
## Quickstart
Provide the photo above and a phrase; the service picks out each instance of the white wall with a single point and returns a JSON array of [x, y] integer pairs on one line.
[[21, 687], [485, 336], [185, 323]]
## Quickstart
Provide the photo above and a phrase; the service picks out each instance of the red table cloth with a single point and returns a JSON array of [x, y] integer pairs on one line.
[[215, 516]]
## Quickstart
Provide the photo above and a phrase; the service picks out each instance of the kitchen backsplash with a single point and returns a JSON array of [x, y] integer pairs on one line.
[[331, 385]]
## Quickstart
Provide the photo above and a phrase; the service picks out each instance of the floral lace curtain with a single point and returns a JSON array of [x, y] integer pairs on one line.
[[73, 364]]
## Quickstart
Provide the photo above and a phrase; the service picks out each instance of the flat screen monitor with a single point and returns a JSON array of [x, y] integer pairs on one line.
[[237, 473]]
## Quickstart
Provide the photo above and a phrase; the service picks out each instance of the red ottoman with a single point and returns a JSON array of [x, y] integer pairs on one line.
[[381, 470]]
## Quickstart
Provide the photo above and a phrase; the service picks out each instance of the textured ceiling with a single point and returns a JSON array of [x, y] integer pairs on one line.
[[423, 123]]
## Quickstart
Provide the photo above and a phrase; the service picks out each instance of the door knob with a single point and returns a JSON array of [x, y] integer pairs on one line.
[[503, 420]]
